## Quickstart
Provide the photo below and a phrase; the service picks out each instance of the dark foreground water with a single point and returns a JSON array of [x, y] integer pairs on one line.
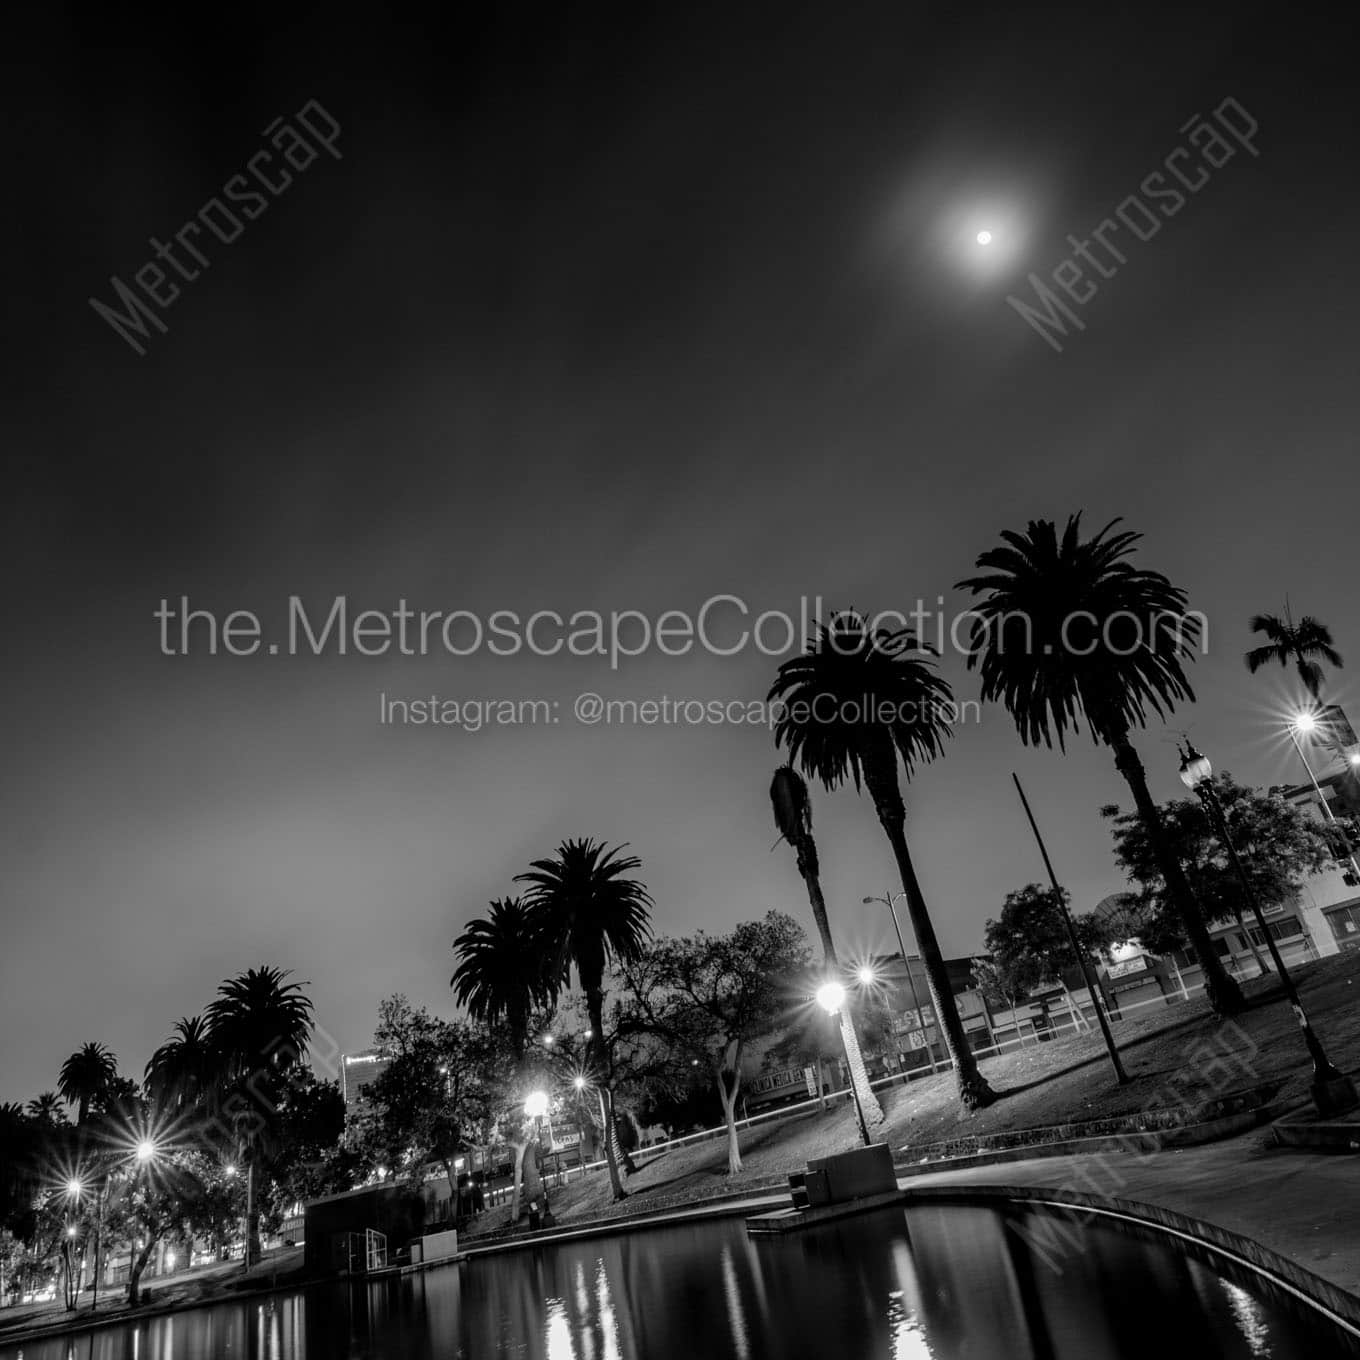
[[945, 1282]]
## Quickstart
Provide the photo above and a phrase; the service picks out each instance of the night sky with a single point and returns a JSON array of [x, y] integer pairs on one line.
[[599, 312]]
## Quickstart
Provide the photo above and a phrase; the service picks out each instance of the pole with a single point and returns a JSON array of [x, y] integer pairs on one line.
[[1083, 962], [1322, 797], [1332, 1091], [911, 980], [98, 1243]]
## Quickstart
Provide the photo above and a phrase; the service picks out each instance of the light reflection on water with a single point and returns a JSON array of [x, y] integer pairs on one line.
[[930, 1283]]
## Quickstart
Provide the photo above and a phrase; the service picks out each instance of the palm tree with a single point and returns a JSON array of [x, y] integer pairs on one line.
[[186, 1066], [1302, 643], [1068, 628], [854, 704], [47, 1109], [86, 1077], [793, 820], [585, 912], [500, 976], [258, 1024]]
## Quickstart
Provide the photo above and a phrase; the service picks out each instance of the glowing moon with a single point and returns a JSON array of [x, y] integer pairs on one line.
[[984, 238]]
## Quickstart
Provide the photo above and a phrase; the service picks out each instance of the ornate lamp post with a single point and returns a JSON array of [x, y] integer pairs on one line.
[[1333, 1092], [890, 901], [831, 997], [535, 1107]]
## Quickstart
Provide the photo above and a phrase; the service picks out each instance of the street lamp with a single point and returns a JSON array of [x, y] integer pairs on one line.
[[890, 902], [1306, 723], [831, 997], [1333, 1092], [146, 1151]]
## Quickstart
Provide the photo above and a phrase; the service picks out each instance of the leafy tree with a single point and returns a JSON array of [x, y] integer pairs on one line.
[[86, 1076], [792, 807], [309, 1157], [1005, 982], [855, 704], [1279, 844], [1028, 942], [431, 1100], [586, 912], [720, 993], [1066, 629], [1300, 643]]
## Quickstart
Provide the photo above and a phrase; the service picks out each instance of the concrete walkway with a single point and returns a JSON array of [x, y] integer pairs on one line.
[[1305, 1206]]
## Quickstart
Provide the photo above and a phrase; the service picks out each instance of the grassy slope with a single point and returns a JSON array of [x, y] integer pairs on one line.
[[1182, 1053]]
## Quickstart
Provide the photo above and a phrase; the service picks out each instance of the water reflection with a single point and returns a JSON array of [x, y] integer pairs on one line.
[[943, 1283]]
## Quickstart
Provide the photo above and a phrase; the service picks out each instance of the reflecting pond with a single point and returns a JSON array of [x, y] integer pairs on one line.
[[944, 1282]]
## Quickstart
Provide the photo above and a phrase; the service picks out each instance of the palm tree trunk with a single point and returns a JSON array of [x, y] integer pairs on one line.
[[1225, 996], [974, 1092], [808, 867], [595, 1009]]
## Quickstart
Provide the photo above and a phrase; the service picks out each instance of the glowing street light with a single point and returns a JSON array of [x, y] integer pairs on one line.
[[536, 1104], [831, 997], [579, 1083], [146, 1151], [866, 975], [229, 1170], [547, 1041], [1305, 723], [75, 1187], [71, 1231]]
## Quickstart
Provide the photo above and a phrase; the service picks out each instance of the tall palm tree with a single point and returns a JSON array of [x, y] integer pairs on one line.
[[259, 1024], [1301, 643], [47, 1109], [1068, 628], [86, 1077], [793, 820], [585, 912], [853, 705], [500, 975], [185, 1067]]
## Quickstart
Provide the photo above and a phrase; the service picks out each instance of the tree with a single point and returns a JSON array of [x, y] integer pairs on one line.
[[1279, 845], [433, 1093], [85, 1077], [185, 1068], [47, 1109], [852, 706], [259, 1025], [502, 974], [1028, 943], [792, 807], [721, 992], [1067, 628], [309, 1157], [1004, 982], [586, 911], [1300, 643]]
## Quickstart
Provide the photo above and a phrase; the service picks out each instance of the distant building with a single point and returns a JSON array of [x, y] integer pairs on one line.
[[358, 1071]]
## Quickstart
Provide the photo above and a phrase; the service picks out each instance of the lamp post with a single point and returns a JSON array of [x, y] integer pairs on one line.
[[890, 902], [831, 997], [1307, 723], [1333, 1092]]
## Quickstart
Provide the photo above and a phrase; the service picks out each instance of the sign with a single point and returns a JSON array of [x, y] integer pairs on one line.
[[810, 1074], [567, 1140], [1117, 970]]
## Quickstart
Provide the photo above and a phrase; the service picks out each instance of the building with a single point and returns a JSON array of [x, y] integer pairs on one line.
[[358, 1071]]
